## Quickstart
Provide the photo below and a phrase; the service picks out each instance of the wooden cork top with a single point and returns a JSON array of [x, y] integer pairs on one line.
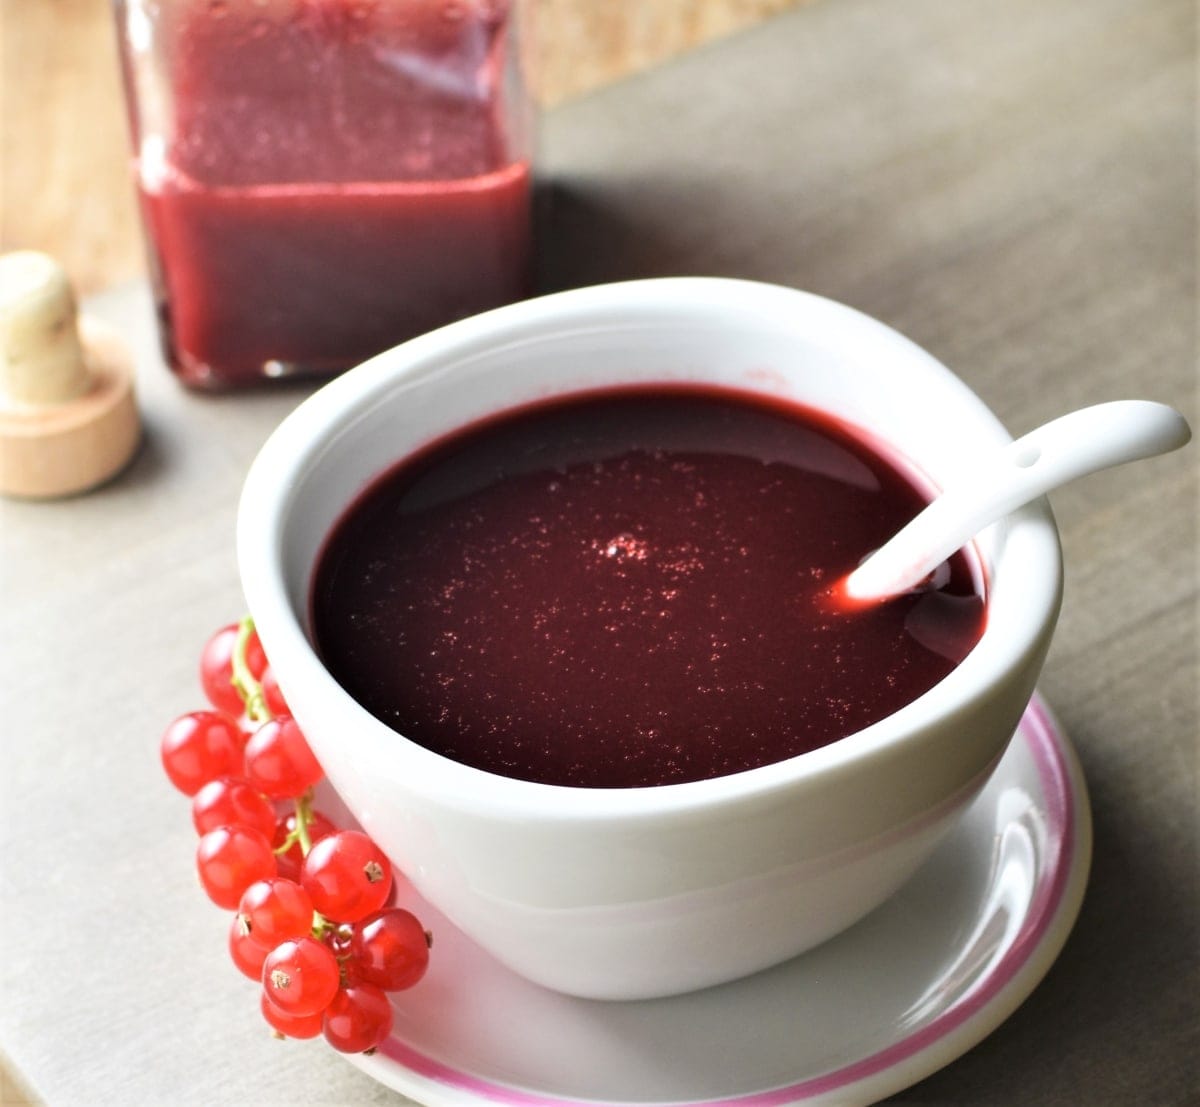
[[68, 418]]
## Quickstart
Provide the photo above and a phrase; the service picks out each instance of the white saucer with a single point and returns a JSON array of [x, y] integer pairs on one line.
[[900, 995]]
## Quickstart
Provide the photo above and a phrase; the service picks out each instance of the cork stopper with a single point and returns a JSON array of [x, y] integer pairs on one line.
[[68, 420]]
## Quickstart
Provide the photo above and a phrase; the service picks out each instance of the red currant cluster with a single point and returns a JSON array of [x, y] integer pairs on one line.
[[313, 920]]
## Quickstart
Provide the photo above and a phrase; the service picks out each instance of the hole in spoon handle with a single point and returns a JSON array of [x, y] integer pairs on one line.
[[1026, 457]]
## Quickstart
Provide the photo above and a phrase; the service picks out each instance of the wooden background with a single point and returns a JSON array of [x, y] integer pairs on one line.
[[65, 184]]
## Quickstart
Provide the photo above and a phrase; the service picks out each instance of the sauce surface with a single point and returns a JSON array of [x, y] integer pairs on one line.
[[631, 588]]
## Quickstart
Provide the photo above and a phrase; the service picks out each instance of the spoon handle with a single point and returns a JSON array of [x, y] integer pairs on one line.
[[1059, 451]]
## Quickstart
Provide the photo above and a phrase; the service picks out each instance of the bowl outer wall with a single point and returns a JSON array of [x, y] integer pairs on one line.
[[617, 845]]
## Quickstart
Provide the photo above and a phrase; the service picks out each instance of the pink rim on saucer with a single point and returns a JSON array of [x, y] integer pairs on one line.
[[1049, 911]]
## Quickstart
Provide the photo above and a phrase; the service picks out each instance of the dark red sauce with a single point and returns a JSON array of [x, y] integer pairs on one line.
[[633, 588]]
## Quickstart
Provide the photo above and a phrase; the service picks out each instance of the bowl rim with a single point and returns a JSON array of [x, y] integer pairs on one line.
[[297, 445]]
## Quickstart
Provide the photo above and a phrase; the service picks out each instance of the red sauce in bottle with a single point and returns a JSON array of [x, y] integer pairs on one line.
[[337, 176]]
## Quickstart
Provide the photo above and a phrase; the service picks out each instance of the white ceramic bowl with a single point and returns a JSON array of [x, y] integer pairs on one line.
[[626, 893]]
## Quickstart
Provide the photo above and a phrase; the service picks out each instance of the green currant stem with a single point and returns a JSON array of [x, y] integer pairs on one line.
[[243, 679], [303, 818], [251, 692], [299, 833]]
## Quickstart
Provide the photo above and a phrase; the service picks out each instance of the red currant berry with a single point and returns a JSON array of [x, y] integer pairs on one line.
[[301, 976], [390, 950], [230, 859], [247, 954], [216, 668], [290, 1026], [278, 760], [358, 1019], [293, 857], [272, 695], [231, 801], [275, 910], [347, 876], [198, 747]]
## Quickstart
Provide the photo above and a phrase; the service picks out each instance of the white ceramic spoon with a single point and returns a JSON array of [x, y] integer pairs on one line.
[[1059, 451]]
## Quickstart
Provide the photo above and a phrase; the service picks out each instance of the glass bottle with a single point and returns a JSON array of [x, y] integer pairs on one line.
[[321, 179]]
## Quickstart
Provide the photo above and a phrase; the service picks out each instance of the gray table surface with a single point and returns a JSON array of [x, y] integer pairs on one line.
[[1013, 186]]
